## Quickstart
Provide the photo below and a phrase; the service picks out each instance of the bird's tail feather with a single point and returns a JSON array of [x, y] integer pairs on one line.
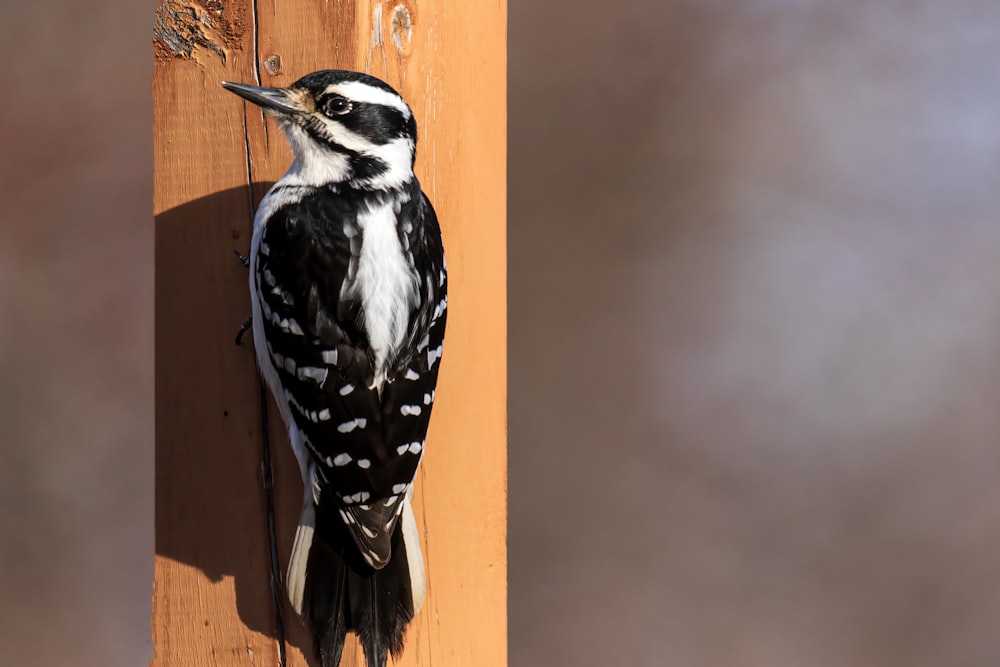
[[335, 591]]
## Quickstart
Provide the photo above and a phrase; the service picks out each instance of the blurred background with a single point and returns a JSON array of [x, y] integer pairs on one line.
[[754, 332]]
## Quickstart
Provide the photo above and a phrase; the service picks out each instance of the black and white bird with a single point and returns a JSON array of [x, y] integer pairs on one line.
[[349, 292]]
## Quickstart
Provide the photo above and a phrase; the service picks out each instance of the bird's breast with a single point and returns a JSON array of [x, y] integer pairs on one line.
[[383, 279]]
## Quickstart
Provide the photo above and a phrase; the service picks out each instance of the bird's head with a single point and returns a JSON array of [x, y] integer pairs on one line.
[[344, 127]]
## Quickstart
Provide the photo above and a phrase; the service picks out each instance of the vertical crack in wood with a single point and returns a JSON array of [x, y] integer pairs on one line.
[[256, 65], [267, 474], [256, 41], [267, 469], [252, 203]]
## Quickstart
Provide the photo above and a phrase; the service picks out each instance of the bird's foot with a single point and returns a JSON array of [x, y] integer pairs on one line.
[[247, 323]]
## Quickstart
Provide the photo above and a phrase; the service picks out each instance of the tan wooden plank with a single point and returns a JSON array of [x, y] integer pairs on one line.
[[212, 601]]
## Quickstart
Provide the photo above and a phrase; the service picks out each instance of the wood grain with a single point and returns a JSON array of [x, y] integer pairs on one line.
[[215, 158]]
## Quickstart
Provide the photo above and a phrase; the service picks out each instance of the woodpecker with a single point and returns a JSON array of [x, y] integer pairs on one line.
[[349, 295]]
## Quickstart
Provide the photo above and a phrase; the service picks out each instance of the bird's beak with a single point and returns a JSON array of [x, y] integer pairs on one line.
[[271, 99]]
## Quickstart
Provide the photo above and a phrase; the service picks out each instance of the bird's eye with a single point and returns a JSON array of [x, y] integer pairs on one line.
[[336, 105]]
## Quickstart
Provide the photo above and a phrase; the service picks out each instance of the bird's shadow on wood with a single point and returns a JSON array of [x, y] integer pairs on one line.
[[210, 499]]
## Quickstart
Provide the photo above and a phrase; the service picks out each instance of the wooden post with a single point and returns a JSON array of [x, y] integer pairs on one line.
[[215, 158]]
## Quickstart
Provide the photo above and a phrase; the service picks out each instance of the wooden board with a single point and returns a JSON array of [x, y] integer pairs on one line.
[[215, 158]]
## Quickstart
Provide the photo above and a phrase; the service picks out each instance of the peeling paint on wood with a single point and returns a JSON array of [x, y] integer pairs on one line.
[[186, 29]]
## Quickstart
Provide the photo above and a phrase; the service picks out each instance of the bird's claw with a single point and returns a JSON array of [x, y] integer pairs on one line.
[[247, 323]]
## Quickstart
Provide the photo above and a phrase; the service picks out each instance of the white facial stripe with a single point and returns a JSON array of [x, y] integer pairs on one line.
[[359, 91], [398, 157], [396, 154], [346, 138]]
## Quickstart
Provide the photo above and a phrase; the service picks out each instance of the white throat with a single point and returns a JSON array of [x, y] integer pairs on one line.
[[312, 165]]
